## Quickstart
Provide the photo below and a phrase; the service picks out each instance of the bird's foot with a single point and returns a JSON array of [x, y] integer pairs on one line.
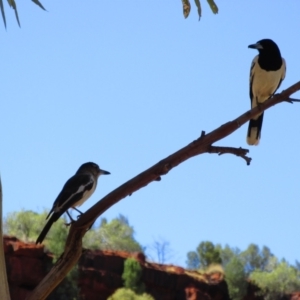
[[68, 224], [259, 105]]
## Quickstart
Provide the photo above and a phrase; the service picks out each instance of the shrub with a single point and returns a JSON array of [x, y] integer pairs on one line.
[[235, 277], [284, 279], [127, 294], [132, 276]]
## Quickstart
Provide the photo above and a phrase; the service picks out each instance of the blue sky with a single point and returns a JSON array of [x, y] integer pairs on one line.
[[125, 84]]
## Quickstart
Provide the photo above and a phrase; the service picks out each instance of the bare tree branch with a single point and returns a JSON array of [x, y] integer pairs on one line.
[[201, 145]]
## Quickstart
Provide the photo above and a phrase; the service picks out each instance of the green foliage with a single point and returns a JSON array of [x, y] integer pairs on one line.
[[127, 294], [213, 6], [13, 5], [193, 261], [208, 254], [259, 265], [187, 7], [114, 235], [227, 253], [256, 259], [132, 276], [297, 265], [68, 288], [56, 238], [235, 277], [284, 279], [25, 225]]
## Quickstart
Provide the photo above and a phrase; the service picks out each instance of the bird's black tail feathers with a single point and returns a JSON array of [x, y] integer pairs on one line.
[[47, 227], [254, 130]]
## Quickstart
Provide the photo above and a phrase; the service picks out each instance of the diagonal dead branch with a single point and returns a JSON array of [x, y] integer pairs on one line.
[[231, 150], [202, 145]]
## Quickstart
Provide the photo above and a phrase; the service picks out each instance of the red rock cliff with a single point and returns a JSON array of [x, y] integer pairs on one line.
[[100, 274]]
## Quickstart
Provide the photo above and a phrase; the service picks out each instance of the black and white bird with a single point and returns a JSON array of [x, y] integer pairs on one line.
[[267, 72], [75, 191]]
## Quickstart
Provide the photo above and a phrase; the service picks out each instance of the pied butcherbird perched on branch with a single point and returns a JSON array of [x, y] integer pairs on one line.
[[75, 191], [267, 72]]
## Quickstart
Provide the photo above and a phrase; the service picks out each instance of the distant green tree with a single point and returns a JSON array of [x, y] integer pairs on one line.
[[297, 265], [283, 280], [256, 259], [127, 294], [235, 277], [56, 238], [260, 265], [27, 225], [24, 225], [227, 253], [193, 261], [114, 235], [208, 254], [132, 276]]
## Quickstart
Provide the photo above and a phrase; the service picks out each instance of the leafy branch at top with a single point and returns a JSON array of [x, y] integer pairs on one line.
[[186, 5], [13, 5]]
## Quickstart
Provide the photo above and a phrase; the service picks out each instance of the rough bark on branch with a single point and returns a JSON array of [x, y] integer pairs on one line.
[[203, 144]]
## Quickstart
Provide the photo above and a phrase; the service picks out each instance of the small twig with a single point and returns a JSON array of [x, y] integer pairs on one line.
[[231, 150], [292, 100]]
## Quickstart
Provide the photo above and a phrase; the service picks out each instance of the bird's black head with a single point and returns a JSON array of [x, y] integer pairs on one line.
[[265, 45], [92, 168], [269, 54]]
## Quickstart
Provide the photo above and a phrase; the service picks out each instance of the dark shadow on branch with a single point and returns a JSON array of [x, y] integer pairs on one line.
[[203, 144]]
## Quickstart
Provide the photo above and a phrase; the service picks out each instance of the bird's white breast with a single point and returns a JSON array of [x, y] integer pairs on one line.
[[265, 83], [86, 194]]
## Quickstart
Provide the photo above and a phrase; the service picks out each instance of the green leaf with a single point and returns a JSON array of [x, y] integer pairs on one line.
[[38, 3], [186, 8], [13, 4], [197, 2], [2, 12], [213, 6], [17, 17]]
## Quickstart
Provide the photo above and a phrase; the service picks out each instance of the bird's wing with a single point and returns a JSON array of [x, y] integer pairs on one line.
[[283, 68], [73, 191], [254, 62]]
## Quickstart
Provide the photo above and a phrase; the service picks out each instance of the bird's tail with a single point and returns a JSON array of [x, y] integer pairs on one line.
[[47, 227], [254, 129]]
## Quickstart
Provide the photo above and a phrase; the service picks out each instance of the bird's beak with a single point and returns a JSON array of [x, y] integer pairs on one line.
[[257, 46], [104, 172]]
